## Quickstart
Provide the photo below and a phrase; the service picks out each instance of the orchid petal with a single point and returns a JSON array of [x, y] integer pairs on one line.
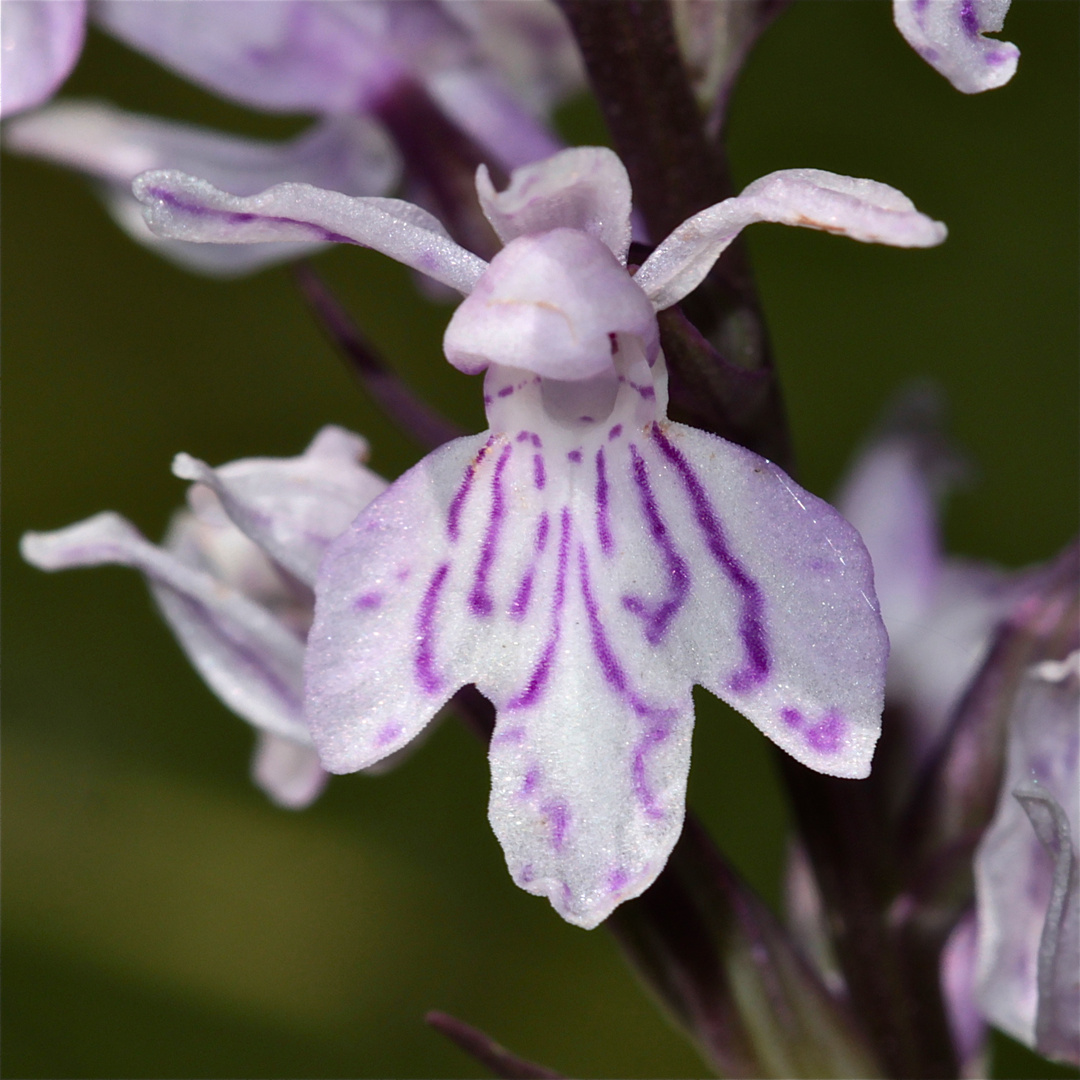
[[184, 208], [291, 56], [293, 507], [40, 43], [1026, 872], [348, 154], [550, 304], [948, 35], [583, 588], [584, 188], [289, 773], [246, 655], [861, 209]]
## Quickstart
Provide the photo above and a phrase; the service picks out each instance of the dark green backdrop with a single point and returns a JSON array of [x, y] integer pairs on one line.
[[160, 917]]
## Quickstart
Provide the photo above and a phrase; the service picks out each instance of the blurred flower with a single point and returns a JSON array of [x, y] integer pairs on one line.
[[234, 579], [585, 561], [1016, 962], [398, 87], [40, 43], [948, 35]]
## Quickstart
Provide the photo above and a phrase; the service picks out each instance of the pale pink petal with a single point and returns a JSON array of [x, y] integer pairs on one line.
[[41, 40], [584, 188], [348, 154], [184, 208], [861, 209], [293, 507], [948, 35], [289, 773]]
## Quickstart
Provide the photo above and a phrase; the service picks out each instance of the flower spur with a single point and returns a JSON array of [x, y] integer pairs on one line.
[[585, 561]]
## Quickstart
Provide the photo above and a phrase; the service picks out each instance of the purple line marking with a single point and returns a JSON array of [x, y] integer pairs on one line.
[[532, 779], [388, 734], [543, 527], [585, 419], [542, 669], [480, 602], [243, 218], [520, 604], [648, 393], [968, 19], [558, 817], [536, 441], [506, 391], [751, 618], [613, 339], [615, 432], [657, 617], [645, 795], [574, 456], [826, 736], [603, 525], [424, 661], [522, 436], [539, 476], [512, 735], [368, 601], [457, 504]]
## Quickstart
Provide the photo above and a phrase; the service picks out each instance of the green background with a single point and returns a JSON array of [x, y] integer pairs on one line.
[[160, 917]]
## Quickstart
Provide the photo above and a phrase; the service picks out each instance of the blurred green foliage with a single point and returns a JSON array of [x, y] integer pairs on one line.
[[160, 917]]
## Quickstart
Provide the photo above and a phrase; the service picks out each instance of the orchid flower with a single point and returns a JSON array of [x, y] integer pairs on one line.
[[494, 69], [585, 561], [1015, 963], [949, 36], [234, 580]]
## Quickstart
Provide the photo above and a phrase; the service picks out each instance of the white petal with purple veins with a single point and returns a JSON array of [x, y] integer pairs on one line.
[[860, 209], [184, 208], [40, 43], [293, 507], [584, 188], [248, 657], [948, 35]]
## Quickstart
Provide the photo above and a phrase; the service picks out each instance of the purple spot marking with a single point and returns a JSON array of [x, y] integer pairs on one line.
[[657, 617], [532, 779], [368, 601], [652, 738], [585, 419], [526, 875], [574, 456], [558, 817], [751, 618], [510, 735], [424, 661], [617, 879], [539, 476], [506, 391], [792, 717], [542, 669], [480, 602], [536, 441], [488, 399], [825, 737], [453, 517], [388, 734], [615, 432], [522, 436], [648, 393], [603, 526], [968, 19], [243, 218], [614, 340]]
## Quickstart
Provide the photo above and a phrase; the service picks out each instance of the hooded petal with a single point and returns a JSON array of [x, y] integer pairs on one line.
[[289, 773], [293, 507], [948, 35], [861, 209], [247, 656], [1026, 872], [551, 304], [40, 43], [184, 208], [347, 154], [585, 188]]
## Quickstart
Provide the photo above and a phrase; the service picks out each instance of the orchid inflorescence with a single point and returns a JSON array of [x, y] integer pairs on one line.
[[586, 560]]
